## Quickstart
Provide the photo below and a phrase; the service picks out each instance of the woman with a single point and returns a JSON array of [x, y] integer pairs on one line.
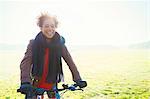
[[43, 57]]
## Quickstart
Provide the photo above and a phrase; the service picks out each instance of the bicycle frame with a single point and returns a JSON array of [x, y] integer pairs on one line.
[[57, 96]]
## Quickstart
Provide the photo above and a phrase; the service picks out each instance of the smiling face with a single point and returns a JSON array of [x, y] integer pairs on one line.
[[48, 28]]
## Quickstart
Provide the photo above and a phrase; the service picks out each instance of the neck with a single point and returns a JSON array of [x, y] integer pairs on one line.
[[48, 40]]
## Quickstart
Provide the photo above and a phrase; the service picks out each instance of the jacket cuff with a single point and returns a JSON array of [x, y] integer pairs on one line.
[[77, 80]]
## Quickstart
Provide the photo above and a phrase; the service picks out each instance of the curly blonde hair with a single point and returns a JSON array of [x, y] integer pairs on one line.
[[44, 16]]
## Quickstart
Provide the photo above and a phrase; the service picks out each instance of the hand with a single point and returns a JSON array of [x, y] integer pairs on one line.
[[26, 87], [81, 83]]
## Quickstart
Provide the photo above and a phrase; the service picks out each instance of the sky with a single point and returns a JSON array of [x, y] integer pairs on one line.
[[81, 22]]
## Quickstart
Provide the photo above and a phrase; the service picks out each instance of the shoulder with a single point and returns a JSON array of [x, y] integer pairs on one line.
[[62, 40], [30, 43]]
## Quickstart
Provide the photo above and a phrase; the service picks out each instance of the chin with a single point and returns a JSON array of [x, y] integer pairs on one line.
[[49, 37]]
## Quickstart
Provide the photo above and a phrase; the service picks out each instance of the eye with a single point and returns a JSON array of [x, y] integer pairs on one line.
[[49, 26], [52, 26]]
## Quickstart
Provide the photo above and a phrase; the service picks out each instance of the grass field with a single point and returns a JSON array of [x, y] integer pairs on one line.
[[111, 74]]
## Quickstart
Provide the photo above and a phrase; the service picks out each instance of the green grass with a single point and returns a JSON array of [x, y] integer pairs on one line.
[[111, 74]]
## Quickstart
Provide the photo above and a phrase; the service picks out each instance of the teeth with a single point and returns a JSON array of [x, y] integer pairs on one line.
[[49, 33]]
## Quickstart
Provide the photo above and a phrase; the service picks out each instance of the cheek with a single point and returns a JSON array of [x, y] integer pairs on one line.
[[44, 30]]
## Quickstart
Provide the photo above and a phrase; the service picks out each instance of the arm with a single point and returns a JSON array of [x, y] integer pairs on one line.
[[68, 59], [25, 66]]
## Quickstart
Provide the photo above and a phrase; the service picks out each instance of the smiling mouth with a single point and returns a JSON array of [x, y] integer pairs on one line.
[[50, 34]]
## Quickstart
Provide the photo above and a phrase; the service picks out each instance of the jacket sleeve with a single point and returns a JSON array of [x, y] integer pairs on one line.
[[68, 59], [25, 65]]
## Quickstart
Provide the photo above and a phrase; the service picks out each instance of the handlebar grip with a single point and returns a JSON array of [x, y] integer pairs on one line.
[[82, 84]]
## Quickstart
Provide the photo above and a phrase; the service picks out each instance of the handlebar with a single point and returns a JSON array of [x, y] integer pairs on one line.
[[71, 88], [40, 91], [65, 87]]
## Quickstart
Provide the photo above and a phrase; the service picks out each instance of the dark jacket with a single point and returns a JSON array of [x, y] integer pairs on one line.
[[26, 64]]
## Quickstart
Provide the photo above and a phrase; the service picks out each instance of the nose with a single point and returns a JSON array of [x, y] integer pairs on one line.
[[49, 29]]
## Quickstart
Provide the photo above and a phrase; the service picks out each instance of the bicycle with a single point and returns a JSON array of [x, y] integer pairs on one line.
[[39, 92]]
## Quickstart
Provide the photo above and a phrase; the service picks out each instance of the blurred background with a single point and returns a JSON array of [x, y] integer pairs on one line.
[[109, 41]]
